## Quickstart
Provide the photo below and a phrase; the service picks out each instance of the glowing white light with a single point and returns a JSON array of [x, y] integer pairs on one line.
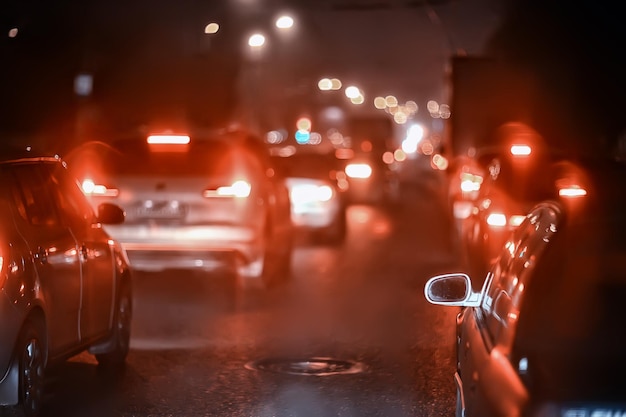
[[257, 40], [284, 22], [211, 28], [352, 92]]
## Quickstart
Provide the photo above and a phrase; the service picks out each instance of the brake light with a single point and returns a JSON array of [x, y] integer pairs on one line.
[[358, 170], [470, 182], [572, 191], [501, 220], [168, 139], [239, 189], [302, 194], [520, 150], [89, 187], [496, 220]]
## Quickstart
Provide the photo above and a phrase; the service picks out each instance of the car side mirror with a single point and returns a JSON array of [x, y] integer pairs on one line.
[[110, 214], [451, 290]]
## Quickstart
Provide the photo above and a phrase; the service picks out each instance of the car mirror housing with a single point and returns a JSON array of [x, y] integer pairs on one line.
[[110, 214], [451, 290]]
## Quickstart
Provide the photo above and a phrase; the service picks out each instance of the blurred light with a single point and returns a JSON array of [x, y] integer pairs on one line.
[[335, 84], [284, 22], [89, 187], [391, 101], [309, 193], [358, 99], [352, 92], [496, 220], [572, 191], [444, 111], [388, 157], [516, 220], [302, 136], [520, 150], [361, 170], [274, 137], [427, 147], [415, 132], [325, 84], [366, 146], [409, 146], [256, 40], [315, 138], [83, 85], [432, 106], [400, 118], [344, 153], [399, 155], [380, 103], [332, 113], [211, 28], [411, 106], [168, 139], [440, 162], [239, 189], [303, 123], [13, 33], [335, 137]]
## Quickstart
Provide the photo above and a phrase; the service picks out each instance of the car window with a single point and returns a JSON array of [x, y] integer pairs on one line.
[[31, 192], [69, 197]]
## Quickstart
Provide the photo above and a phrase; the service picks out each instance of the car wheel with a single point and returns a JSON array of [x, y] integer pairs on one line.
[[31, 354], [120, 338]]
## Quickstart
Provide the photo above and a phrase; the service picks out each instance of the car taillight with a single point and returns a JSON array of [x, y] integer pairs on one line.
[[89, 187], [501, 220], [572, 191], [239, 188], [358, 170], [302, 194], [168, 139], [470, 182], [520, 150]]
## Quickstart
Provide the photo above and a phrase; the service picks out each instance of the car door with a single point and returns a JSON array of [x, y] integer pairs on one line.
[[53, 250], [490, 381], [96, 256]]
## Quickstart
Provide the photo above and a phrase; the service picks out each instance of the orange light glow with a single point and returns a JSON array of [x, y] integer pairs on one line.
[[89, 187], [168, 139]]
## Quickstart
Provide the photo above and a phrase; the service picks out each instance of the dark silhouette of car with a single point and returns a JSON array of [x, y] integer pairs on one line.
[[65, 284], [545, 334]]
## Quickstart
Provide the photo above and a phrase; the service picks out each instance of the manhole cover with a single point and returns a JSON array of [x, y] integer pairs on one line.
[[308, 366]]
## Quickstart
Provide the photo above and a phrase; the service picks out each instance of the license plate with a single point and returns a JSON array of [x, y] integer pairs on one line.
[[162, 210]]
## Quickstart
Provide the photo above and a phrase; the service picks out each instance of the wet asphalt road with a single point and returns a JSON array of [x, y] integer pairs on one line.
[[193, 348]]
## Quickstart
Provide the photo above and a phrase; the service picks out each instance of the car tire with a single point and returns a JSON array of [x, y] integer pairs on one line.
[[31, 356], [115, 357]]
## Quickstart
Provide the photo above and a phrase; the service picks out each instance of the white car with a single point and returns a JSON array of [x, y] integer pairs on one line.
[[193, 201]]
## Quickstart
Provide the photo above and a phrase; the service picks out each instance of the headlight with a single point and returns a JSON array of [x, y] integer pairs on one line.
[[358, 170], [302, 194], [90, 187], [239, 188]]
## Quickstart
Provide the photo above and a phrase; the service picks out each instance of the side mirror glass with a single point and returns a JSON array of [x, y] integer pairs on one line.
[[451, 290], [110, 214]]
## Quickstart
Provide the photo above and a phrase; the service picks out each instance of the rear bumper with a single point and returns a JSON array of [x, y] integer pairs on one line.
[[157, 248]]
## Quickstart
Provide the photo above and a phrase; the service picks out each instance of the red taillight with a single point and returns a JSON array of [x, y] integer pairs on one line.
[[239, 189], [89, 187], [572, 191]]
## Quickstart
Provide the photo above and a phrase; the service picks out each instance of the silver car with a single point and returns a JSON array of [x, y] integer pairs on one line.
[[65, 284], [193, 201]]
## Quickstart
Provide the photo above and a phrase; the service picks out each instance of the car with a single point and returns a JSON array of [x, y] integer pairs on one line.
[[514, 178], [318, 194], [65, 283], [544, 334], [201, 199], [371, 180]]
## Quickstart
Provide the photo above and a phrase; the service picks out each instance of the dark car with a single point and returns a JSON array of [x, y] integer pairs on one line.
[[513, 179], [65, 283], [196, 200], [318, 193], [545, 335]]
